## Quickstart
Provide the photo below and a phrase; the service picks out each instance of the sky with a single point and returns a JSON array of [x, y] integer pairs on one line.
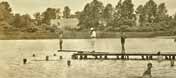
[[33, 6]]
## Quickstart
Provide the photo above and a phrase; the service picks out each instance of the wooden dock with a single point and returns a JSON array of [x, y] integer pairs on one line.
[[88, 55], [77, 51], [118, 56]]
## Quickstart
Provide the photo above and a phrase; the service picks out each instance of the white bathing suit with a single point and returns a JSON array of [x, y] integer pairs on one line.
[[93, 34]]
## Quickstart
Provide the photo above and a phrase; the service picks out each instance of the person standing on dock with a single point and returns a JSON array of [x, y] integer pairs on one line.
[[93, 38], [60, 39], [123, 37]]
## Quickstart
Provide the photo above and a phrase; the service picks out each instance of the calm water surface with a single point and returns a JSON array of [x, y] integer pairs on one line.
[[13, 51]]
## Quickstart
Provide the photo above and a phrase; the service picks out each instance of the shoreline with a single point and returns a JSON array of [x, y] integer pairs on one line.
[[157, 37], [83, 35]]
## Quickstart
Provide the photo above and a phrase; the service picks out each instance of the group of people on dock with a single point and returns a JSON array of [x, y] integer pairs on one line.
[[93, 36]]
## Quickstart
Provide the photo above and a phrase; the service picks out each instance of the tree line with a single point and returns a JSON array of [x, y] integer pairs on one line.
[[124, 17], [121, 17], [10, 21]]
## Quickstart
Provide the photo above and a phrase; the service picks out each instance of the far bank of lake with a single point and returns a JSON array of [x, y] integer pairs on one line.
[[81, 35]]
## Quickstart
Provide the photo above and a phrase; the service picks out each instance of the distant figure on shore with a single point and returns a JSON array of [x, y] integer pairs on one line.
[[93, 38], [123, 37], [60, 39], [147, 73]]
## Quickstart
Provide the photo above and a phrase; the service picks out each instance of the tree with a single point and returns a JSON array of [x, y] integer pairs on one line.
[[66, 12], [5, 11], [26, 20], [49, 14], [124, 15], [174, 17], [37, 17], [92, 14], [150, 9], [108, 13], [140, 14], [117, 14], [58, 13], [17, 21], [22, 22], [83, 17], [161, 12], [127, 9], [77, 14]]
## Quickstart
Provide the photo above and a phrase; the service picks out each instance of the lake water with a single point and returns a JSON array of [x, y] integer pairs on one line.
[[13, 51]]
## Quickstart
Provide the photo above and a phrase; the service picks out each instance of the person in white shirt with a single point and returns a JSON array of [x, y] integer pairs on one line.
[[93, 38]]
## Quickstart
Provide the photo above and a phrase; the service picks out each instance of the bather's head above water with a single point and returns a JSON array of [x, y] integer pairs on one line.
[[149, 65]]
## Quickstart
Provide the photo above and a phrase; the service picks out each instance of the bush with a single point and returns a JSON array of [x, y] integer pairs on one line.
[[32, 30]]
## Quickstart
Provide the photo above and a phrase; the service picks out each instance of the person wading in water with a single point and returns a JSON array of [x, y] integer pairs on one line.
[[147, 73], [93, 38]]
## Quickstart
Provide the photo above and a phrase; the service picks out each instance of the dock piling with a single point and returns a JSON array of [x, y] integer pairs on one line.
[[105, 56], [142, 57], [172, 62], [24, 61], [33, 55], [47, 58], [60, 57], [68, 63], [119, 56]]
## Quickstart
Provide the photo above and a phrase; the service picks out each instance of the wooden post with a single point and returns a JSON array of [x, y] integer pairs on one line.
[[96, 57], [60, 57], [173, 57], [24, 61], [122, 56], [105, 56], [47, 58], [170, 57], [146, 57], [127, 57], [81, 57], [54, 55], [166, 58], [73, 57], [85, 56], [100, 57], [151, 58], [33, 55], [143, 58], [172, 62], [68, 62], [117, 57]]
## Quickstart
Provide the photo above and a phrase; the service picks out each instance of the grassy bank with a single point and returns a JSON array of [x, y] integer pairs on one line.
[[77, 35]]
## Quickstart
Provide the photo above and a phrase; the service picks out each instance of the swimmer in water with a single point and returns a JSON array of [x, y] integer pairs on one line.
[[147, 73]]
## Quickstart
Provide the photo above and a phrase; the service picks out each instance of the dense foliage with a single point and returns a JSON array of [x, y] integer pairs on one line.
[[123, 17]]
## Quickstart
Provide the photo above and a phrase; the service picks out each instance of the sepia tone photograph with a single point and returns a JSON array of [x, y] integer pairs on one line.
[[87, 38]]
